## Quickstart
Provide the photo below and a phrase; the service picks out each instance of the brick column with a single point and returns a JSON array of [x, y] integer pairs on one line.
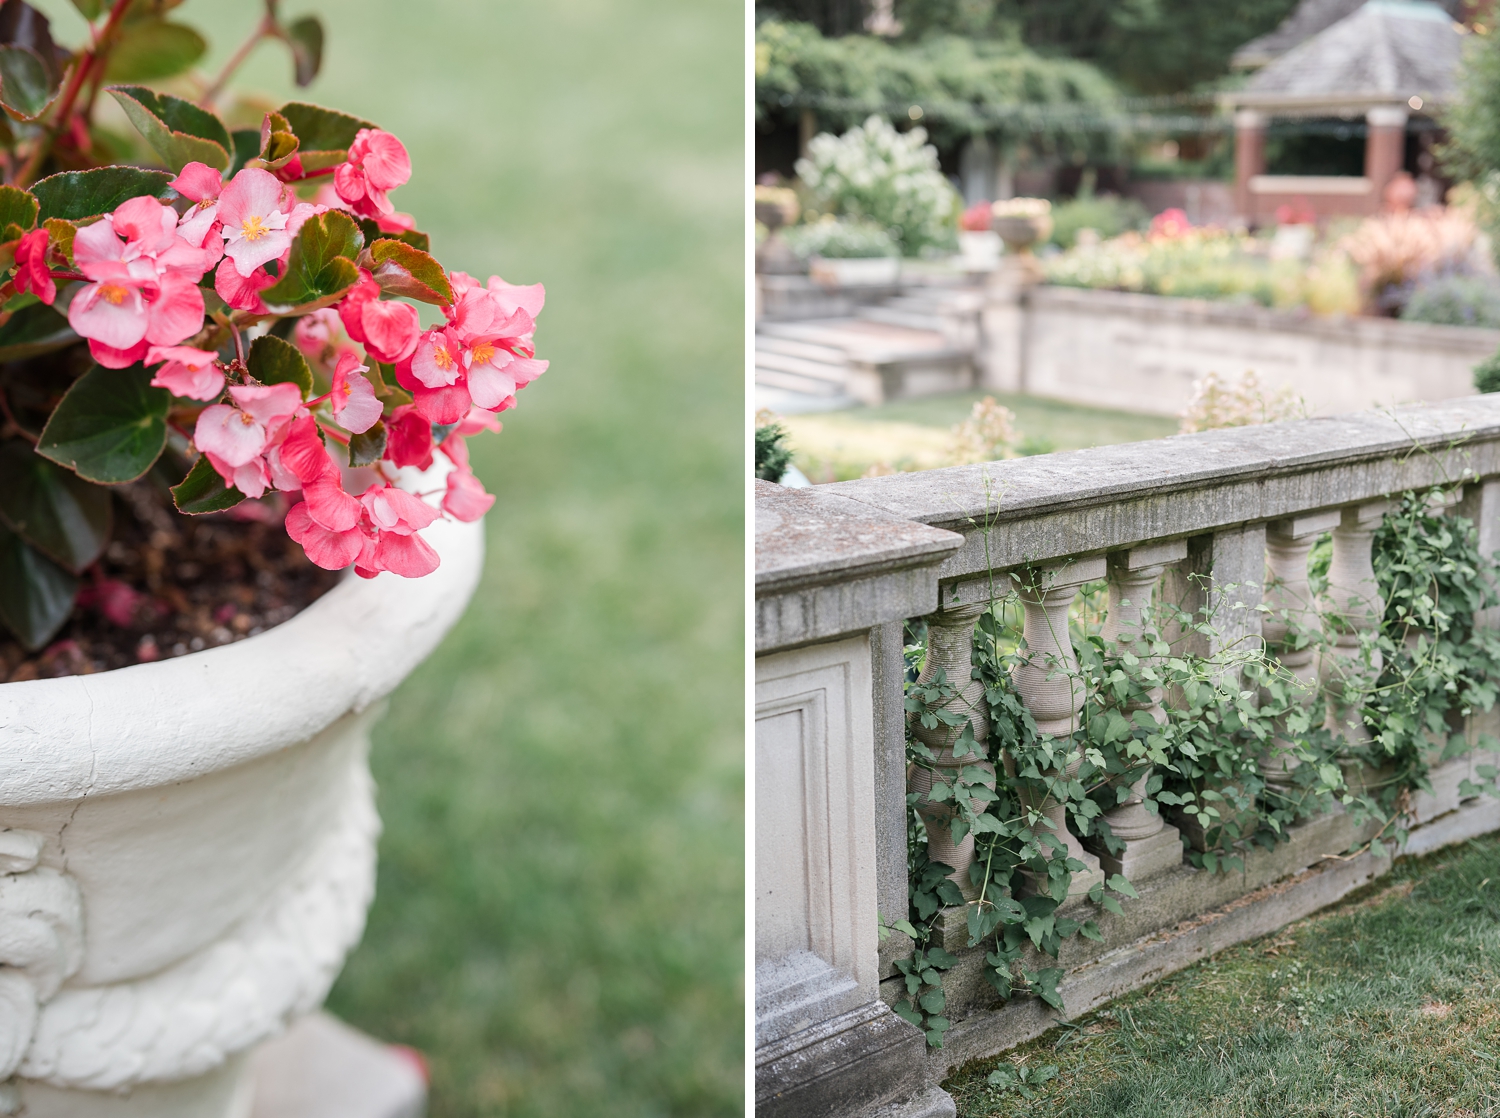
[[1249, 158], [1385, 148]]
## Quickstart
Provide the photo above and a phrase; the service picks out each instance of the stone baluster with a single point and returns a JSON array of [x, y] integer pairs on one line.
[[1048, 682], [1292, 611], [1353, 606], [1151, 845], [950, 647]]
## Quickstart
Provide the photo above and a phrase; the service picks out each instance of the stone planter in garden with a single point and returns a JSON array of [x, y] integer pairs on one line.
[[189, 847], [214, 380], [855, 271]]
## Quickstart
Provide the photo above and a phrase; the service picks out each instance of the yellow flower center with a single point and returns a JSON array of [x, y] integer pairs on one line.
[[111, 293], [252, 229], [247, 419], [483, 352], [442, 358]]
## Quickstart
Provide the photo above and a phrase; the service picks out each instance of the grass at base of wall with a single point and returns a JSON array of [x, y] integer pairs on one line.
[[1386, 1005], [916, 434]]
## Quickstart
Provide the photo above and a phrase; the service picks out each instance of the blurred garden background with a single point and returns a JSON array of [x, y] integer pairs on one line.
[[559, 920], [1102, 216]]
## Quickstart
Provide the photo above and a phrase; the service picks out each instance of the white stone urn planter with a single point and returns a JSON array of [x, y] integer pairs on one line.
[[187, 848], [855, 271]]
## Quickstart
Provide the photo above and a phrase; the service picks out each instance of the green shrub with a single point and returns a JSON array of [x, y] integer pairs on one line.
[[841, 240], [1455, 301], [772, 456], [1108, 214], [1487, 374]]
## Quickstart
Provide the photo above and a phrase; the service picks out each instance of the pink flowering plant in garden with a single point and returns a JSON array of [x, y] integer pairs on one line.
[[237, 307]]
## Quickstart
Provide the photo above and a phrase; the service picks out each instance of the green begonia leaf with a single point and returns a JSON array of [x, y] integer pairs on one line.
[[52, 509], [75, 195], [374, 233], [305, 37], [321, 266], [151, 49], [25, 90], [401, 269], [89, 9], [110, 427], [32, 331], [17, 207], [177, 130], [36, 595], [203, 490], [246, 147], [367, 447], [273, 360], [324, 135]]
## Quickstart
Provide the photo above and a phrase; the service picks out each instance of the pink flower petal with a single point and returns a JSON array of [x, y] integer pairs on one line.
[[331, 550], [112, 358], [356, 407], [113, 313], [435, 362], [188, 372], [511, 297], [176, 313], [268, 402], [390, 329], [490, 387], [466, 499], [242, 292], [329, 506], [229, 434], [408, 556], [198, 181]]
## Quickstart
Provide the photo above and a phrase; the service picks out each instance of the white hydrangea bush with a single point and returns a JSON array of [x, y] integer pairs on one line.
[[875, 173]]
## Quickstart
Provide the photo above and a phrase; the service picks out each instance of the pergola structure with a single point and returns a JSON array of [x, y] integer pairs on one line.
[[1389, 63]]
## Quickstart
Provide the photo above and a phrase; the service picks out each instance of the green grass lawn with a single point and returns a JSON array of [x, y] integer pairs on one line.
[[1387, 1005], [559, 921], [915, 434]]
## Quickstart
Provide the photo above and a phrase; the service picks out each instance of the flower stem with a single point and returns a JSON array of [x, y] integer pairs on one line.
[[62, 118], [265, 29]]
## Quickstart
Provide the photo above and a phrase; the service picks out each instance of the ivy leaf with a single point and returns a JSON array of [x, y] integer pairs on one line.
[[36, 595], [32, 331], [401, 269], [75, 195], [110, 427], [305, 37], [321, 266], [274, 360], [367, 448], [25, 88], [203, 490], [324, 135], [55, 511], [1120, 885], [17, 207], [177, 130], [151, 49]]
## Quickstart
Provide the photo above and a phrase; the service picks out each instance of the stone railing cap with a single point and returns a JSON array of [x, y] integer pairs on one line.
[[962, 496], [805, 537]]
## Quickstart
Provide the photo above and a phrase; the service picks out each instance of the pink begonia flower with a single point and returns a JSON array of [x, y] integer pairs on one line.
[[377, 164], [32, 273], [253, 220], [353, 397], [242, 292], [314, 333], [234, 438], [408, 438], [145, 289], [202, 185], [395, 510], [387, 329], [475, 421], [188, 372], [303, 454], [466, 499], [437, 360], [409, 556], [332, 550]]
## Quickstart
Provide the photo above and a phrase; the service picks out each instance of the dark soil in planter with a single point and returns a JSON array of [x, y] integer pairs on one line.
[[169, 584]]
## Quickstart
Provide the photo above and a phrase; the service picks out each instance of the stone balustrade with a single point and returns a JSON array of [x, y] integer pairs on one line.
[[1221, 525]]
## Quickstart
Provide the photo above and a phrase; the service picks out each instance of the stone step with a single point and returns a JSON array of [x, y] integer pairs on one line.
[[792, 347], [802, 366], [794, 382], [868, 341]]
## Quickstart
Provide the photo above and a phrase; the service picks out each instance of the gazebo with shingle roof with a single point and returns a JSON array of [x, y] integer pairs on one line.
[[1385, 60]]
